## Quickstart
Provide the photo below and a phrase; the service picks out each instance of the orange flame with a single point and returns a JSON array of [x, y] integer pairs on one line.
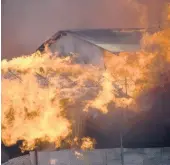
[[87, 143], [37, 90], [35, 108]]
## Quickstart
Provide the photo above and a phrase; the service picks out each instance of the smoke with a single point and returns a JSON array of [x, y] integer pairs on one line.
[[65, 85], [82, 23], [27, 24]]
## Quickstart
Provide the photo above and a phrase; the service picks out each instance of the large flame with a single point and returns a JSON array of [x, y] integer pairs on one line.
[[38, 90], [30, 112]]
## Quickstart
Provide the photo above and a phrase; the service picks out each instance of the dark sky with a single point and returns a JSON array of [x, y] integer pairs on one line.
[[27, 24]]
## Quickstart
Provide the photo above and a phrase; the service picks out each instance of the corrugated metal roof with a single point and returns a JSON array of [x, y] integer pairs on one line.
[[115, 40]]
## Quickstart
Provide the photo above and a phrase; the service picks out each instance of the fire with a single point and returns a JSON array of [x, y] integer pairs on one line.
[[38, 90], [105, 96], [31, 113], [135, 74], [43, 87], [87, 143]]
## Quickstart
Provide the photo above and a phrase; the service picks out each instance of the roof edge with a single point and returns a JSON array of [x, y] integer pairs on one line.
[[61, 33]]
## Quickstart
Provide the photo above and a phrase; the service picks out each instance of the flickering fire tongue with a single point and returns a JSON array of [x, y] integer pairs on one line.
[[43, 87], [37, 90]]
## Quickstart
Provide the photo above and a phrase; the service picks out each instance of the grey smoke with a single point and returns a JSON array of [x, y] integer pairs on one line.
[[27, 24]]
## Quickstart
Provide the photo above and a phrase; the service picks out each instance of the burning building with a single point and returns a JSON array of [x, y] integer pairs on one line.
[[97, 47], [93, 47], [99, 71]]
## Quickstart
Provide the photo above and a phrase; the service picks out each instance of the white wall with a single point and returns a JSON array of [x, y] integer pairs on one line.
[[147, 156], [88, 52]]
